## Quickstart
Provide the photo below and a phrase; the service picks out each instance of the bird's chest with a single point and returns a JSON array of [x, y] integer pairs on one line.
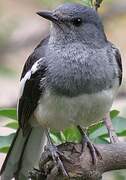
[[77, 71], [60, 112], [66, 69]]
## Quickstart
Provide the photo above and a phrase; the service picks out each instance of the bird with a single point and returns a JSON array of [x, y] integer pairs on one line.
[[71, 78]]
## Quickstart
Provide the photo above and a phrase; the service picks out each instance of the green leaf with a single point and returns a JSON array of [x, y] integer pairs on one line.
[[119, 123], [9, 113], [99, 124], [87, 2], [58, 137], [12, 125], [4, 149], [5, 141], [122, 134], [114, 113], [100, 140], [95, 126], [72, 134], [98, 132], [63, 138], [55, 138]]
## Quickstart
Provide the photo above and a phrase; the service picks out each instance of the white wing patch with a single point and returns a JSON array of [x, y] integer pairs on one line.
[[27, 76]]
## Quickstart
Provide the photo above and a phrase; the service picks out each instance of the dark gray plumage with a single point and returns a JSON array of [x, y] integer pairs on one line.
[[72, 77]]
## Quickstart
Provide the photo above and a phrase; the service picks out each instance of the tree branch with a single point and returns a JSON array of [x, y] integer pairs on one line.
[[81, 167], [97, 4]]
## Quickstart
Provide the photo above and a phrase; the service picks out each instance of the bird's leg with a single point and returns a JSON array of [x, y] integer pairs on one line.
[[55, 154], [86, 142], [111, 131]]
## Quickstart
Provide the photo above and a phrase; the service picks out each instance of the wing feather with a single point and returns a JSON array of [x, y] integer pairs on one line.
[[119, 62], [33, 72]]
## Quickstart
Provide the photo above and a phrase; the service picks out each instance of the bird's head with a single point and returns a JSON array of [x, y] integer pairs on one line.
[[74, 20]]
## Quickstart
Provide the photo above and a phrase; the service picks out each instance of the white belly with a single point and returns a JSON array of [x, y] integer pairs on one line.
[[60, 112]]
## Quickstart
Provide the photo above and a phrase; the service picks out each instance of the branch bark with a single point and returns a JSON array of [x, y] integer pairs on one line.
[[81, 167]]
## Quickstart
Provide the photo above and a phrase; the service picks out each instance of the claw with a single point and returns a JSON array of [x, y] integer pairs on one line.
[[113, 138], [93, 150], [56, 155], [35, 174]]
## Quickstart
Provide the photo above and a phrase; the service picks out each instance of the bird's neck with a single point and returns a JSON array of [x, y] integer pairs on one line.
[[92, 36]]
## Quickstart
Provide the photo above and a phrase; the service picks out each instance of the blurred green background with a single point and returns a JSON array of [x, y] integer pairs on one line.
[[21, 30]]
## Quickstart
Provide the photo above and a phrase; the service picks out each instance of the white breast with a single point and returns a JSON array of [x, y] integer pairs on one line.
[[59, 112]]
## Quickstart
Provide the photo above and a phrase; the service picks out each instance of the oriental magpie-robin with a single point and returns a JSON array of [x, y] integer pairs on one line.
[[72, 77]]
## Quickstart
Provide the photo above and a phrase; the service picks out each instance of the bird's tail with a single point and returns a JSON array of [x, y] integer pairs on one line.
[[23, 154]]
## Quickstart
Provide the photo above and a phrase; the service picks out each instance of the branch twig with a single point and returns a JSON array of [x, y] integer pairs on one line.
[[81, 167], [97, 4]]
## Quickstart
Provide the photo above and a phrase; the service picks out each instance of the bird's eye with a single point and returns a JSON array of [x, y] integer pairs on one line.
[[77, 22]]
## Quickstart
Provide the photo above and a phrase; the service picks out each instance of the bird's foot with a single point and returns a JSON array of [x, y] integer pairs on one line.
[[87, 143], [113, 137], [56, 155], [35, 174], [93, 150], [52, 152]]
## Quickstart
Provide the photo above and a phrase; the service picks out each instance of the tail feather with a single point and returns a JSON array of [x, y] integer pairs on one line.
[[24, 154], [32, 153], [8, 154]]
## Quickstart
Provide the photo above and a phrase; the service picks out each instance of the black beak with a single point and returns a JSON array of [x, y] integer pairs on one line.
[[48, 15]]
